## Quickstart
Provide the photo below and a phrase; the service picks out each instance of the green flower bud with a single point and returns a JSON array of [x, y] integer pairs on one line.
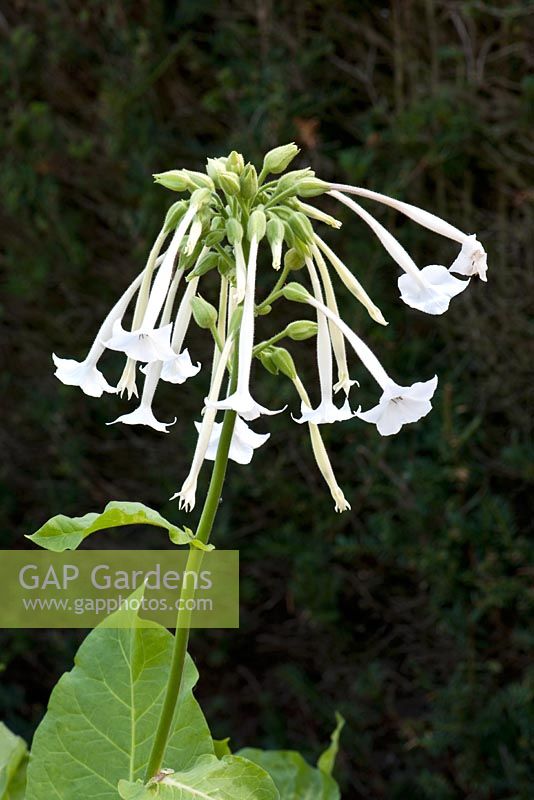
[[204, 313], [217, 222], [235, 162], [257, 225], [301, 226], [229, 183], [175, 214], [293, 260], [175, 179], [301, 329], [264, 310], [234, 231], [290, 180], [214, 167], [296, 293], [249, 182], [213, 238], [311, 187], [199, 179], [205, 264], [266, 357], [278, 159], [283, 361], [201, 196], [275, 231]]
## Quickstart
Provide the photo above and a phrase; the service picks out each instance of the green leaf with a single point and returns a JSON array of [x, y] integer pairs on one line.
[[293, 777], [13, 763], [327, 760], [222, 747], [66, 533], [231, 778], [102, 715]]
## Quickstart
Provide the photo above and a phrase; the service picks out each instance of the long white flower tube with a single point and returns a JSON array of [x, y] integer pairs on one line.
[[326, 411], [430, 289], [398, 405], [187, 494], [472, 259], [85, 374], [351, 282], [337, 338], [146, 342], [241, 400], [321, 455], [180, 367], [240, 273]]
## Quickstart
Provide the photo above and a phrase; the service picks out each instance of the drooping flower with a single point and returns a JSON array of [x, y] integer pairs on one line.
[[143, 414], [429, 290], [244, 441], [400, 405], [85, 374], [472, 259], [241, 400], [148, 343]]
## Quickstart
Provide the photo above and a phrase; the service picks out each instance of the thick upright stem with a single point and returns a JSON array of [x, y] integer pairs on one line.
[[183, 622]]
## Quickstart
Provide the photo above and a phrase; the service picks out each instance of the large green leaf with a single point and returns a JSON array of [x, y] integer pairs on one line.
[[13, 762], [293, 777], [66, 533], [231, 778], [102, 716]]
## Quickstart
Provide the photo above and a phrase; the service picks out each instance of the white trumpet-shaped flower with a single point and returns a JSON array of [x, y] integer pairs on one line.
[[146, 342], [85, 374], [127, 381], [240, 273], [435, 294], [179, 369], [241, 400], [398, 405], [244, 441], [472, 259], [187, 494], [326, 411], [143, 414], [430, 289]]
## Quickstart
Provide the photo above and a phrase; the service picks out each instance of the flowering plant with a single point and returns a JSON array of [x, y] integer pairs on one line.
[[159, 744]]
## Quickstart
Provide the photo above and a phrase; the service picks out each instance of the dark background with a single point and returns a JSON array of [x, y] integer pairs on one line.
[[413, 614]]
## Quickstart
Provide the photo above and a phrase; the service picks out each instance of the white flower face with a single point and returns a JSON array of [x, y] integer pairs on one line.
[[400, 405], [219, 229]]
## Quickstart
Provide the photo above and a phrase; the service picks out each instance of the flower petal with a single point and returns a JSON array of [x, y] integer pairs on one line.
[[471, 260], [84, 374], [143, 345], [432, 296], [143, 415]]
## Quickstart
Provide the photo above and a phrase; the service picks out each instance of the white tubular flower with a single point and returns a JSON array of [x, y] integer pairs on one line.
[[85, 373], [471, 260], [143, 414], [430, 289], [148, 343], [244, 441], [320, 216], [187, 494], [194, 236], [398, 405], [326, 411], [336, 337], [179, 369], [472, 257], [321, 456], [351, 282], [241, 400]]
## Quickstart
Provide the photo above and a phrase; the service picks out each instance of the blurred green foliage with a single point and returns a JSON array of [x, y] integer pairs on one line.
[[413, 614]]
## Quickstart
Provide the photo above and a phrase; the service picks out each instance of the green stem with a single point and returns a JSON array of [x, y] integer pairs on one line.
[[273, 340], [183, 621], [275, 291]]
